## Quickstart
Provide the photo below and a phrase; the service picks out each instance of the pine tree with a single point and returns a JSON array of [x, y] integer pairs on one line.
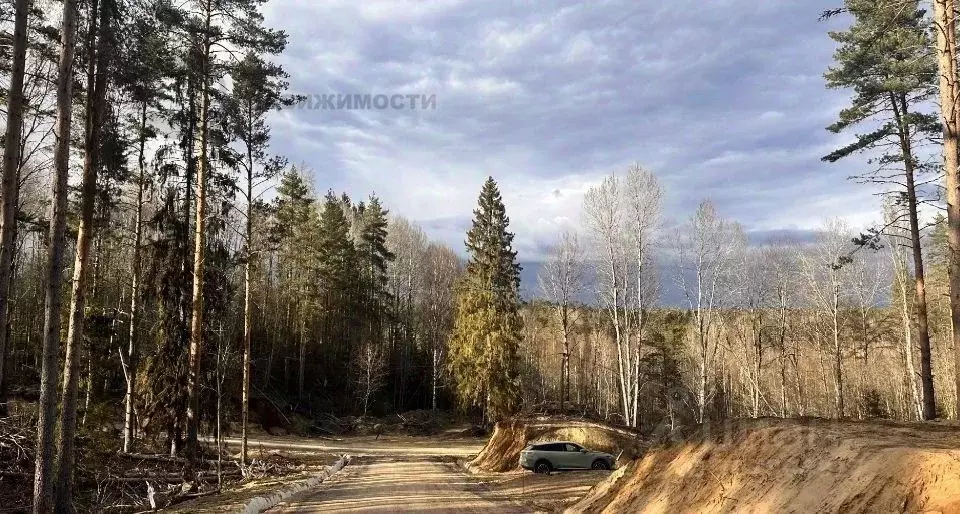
[[220, 25], [884, 58], [146, 65], [257, 89], [99, 47], [56, 251], [9, 185], [488, 327], [296, 232], [373, 256], [945, 28]]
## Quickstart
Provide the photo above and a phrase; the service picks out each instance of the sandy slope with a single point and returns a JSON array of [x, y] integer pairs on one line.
[[502, 451], [793, 466]]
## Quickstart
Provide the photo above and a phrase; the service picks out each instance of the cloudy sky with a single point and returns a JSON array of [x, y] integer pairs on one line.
[[721, 98]]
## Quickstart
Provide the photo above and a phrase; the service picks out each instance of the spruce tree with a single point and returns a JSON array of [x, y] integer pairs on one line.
[[487, 330]]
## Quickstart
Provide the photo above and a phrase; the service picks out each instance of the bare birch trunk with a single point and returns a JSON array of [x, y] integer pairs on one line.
[[783, 356], [758, 367], [565, 364], [247, 312], [618, 336], [837, 363], [302, 364], [908, 339], [130, 368]]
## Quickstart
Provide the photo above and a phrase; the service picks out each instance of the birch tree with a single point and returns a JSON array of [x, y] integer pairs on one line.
[[896, 238], [561, 279], [442, 272], [706, 248], [644, 201], [826, 271], [604, 215]]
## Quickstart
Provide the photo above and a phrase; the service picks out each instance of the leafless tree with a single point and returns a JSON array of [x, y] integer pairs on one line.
[[826, 268], [753, 298], [371, 371], [442, 270], [896, 236], [644, 201], [560, 279], [606, 215], [780, 263], [706, 249]]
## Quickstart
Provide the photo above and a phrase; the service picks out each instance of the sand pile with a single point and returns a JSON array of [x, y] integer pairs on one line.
[[792, 466], [502, 451]]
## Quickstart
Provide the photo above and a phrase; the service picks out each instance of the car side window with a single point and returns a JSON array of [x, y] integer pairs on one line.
[[572, 448], [555, 448]]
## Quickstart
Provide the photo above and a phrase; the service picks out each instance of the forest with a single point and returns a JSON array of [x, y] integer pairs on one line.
[[165, 277]]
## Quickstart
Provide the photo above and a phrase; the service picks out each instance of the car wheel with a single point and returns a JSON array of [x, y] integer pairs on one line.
[[600, 464], [542, 467]]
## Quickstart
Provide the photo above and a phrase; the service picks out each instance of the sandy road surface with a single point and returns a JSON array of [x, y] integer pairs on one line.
[[387, 445], [400, 484]]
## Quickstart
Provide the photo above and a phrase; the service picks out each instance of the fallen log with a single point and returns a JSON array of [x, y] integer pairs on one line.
[[172, 478], [154, 457]]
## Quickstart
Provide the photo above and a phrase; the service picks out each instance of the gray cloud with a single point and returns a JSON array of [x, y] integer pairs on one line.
[[723, 99]]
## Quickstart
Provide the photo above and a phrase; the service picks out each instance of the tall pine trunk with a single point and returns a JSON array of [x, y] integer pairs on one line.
[[43, 474], [56, 249], [9, 185], [946, 31], [196, 321], [899, 104], [96, 97]]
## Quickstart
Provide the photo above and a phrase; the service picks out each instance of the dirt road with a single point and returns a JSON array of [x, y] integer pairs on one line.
[[401, 484], [387, 445]]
